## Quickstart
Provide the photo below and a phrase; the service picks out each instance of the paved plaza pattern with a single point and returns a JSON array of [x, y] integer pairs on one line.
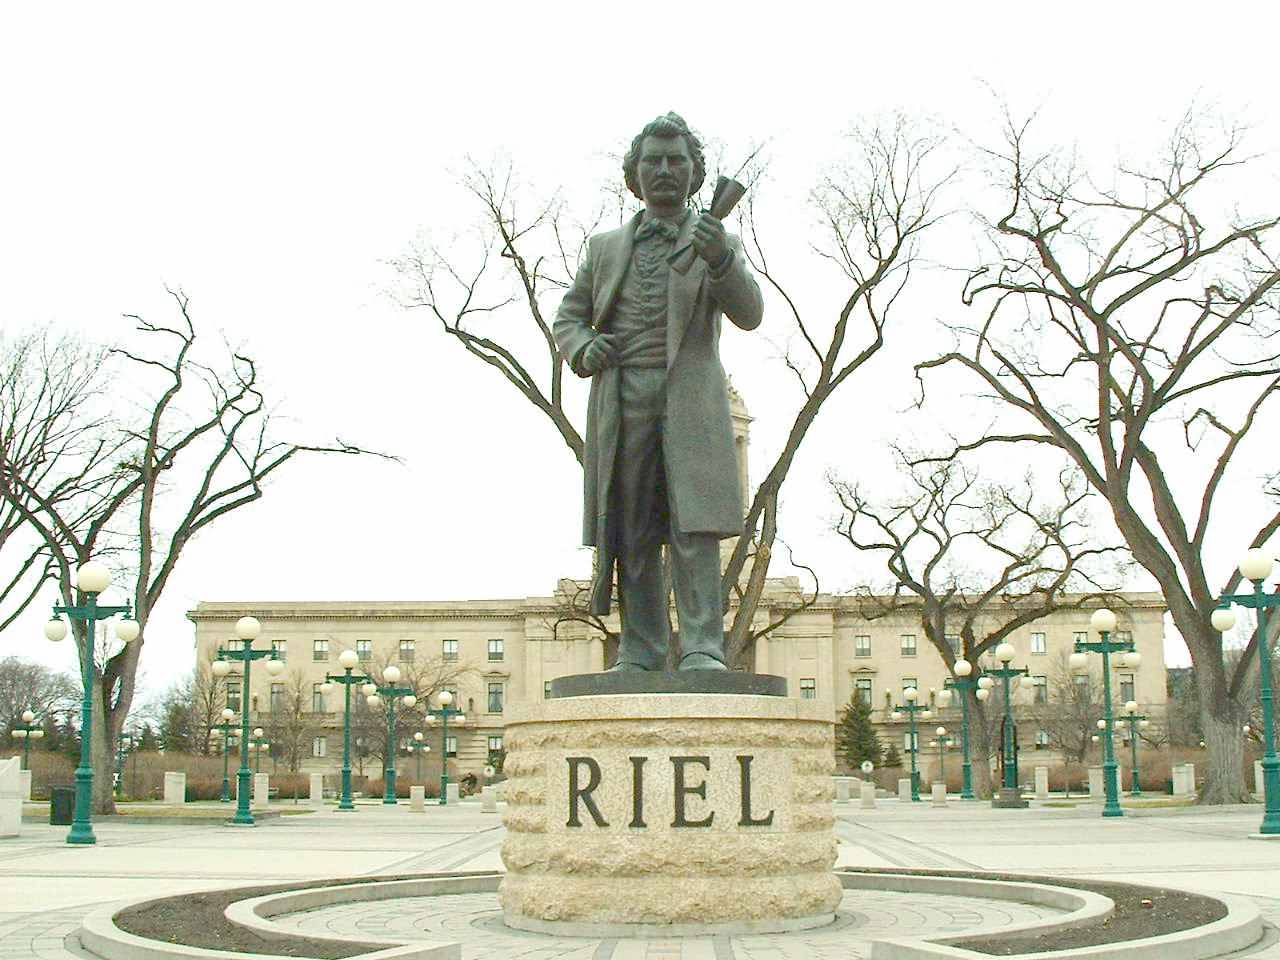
[[46, 886]]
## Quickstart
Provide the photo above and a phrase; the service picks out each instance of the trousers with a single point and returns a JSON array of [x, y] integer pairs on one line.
[[646, 516]]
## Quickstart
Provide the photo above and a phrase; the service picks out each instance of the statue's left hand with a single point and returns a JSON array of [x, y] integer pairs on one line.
[[709, 239]]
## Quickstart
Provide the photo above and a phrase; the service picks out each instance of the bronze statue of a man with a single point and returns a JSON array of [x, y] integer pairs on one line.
[[659, 462]]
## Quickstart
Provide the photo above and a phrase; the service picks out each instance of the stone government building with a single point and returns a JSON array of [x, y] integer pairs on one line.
[[509, 651]]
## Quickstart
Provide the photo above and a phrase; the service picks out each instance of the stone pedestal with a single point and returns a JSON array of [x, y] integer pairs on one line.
[[261, 791], [10, 797], [1096, 788], [24, 783], [501, 790], [1259, 783], [1184, 780], [488, 800], [175, 788], [1042, 783], [317, 790], [418, 798], [904, 789], [453, 793], [669, 814], [868, 798], [842, 789], [939, 793]]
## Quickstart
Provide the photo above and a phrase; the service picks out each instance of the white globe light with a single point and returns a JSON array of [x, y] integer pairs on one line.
[[418, 736], [1103, 620], [1004, 652], [1143, 724], [93, 577], [248, 628], [460, 718], [55, 630], [28, 716], [1094, 738], [275, 667], [228, 715], [257, 732], [1248, 729], [983, 694], [348, 659], [326, 687], [926, 715], [962, 668], [426, 748], [1078, 662], [1131, 706], [1256, 565], [19, 734], [391, 674], [985, 683], [410, 700], [944, 698], [1133, 659], [489, 771], [941, 731], [371, 700], [910, 694], [37, 734], [1102, 724], [867, 766], [1223, 619], [220, 668], [127, 630], [445, 698], [896, 715], [369, 689]]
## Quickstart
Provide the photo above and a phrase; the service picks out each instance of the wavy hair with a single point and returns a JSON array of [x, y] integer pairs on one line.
[[667, 125]]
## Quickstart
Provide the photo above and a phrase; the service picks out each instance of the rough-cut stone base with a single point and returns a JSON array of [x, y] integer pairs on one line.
[[714, 857]]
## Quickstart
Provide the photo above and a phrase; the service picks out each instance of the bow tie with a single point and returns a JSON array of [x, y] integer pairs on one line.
[[656, 228]]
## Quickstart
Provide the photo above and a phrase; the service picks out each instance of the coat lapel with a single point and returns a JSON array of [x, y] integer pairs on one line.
[[618, 258], [682, 293]]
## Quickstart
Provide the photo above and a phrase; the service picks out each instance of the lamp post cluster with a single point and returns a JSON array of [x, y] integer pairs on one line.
[[1136, 721], [388, 696], [260, 743], [226, 728], [91, 580], [942, 743], [445, 712], [1010, 794], [347, 659], [241, 662], [1256, 567], [1104, 622], [418, 748], [910, 707], [26, 731], [126, 744], [964, 681]]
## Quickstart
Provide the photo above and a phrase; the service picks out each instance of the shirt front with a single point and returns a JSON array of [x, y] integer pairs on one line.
[[640, 312]]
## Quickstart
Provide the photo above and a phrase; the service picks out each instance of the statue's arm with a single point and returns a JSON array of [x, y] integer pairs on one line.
[[572, 328], [734, 288]]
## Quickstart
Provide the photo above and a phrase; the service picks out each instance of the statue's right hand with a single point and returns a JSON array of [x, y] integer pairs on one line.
[[601, 352]]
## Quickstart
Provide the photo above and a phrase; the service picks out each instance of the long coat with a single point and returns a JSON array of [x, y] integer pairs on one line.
[[701, 467]]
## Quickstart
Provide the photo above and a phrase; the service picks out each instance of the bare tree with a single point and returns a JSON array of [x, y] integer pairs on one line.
[[874, 211], [27, 685], [291, 720], [1131, 325], [198, 447], [1070, 716], [975, 562]]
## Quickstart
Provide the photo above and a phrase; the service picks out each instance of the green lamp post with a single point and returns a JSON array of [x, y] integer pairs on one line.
[[910, 707], [91, 580], [226, 728], [1136, 722], [1104, 621], [26, 731], [391, 696], [963, 682], [943, 742], [418, 748], [260, 743], [121, 752], [247, 630], [445, 712], [1256, 567], [347, 659], [1010, 793]]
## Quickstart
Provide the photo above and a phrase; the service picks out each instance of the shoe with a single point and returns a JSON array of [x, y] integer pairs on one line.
[[625, 666], [701, 661]]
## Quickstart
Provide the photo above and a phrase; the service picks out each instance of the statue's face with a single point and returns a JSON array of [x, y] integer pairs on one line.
[[665, 171]]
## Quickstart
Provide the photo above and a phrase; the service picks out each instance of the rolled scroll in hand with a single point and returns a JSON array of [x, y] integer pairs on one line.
[[727, 194]]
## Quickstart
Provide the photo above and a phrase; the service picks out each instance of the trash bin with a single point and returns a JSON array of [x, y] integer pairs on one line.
[[62, 805]]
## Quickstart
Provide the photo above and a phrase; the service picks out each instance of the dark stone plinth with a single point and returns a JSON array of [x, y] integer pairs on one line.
[[683, 681], [1007, 798]]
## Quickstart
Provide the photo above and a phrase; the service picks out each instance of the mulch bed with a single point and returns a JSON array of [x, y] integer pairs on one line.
[[1169, 911], [197, 920]]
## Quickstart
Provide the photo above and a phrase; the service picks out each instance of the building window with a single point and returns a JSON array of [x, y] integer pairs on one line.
[[1042, 739], [364, 650], [277, 698], [1040, 688], [862, 688], [808, 688], [1081, 680], [280, 649], [450, 746], [319, 747], [1126, 688], [546, 690], [233, 694], [407, 648], [449, 649], [495, 651], [862, 646], [319, 650], [495, 745], [953, 641], [910, 682], [495, 698], [1038, 644], [1123, 636], [1080, 636], [317, 698], [908, 644]]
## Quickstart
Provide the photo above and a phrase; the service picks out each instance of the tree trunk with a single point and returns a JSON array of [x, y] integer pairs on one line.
[[1224, 751], [979, 749], [103, 754]]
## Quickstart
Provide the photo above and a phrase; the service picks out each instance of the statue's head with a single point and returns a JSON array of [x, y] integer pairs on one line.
[[665, 158]]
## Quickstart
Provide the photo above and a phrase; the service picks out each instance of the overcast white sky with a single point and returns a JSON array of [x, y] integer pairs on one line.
[[268, 158]]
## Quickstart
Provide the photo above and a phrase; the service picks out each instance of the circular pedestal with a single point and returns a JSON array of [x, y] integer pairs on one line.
[[641, 813]]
